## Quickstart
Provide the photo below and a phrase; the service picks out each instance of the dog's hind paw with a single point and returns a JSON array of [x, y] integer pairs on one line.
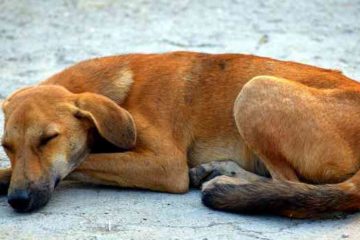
[[222, 180], [208, 171]]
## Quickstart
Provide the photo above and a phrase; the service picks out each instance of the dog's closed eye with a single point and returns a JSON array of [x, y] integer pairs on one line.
[[47, 138]]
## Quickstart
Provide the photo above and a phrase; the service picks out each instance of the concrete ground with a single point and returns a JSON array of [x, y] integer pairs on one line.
[[38, 38]]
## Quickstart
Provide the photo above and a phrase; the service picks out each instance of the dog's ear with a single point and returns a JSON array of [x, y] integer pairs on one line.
[[114, 123]]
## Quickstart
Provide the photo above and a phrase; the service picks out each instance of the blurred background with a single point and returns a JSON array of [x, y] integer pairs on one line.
[[39, 38]]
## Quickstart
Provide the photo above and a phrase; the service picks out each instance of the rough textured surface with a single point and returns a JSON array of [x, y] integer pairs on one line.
[[39, 38]]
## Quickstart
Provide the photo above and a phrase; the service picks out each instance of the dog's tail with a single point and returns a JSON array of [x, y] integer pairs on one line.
[[292, 199]]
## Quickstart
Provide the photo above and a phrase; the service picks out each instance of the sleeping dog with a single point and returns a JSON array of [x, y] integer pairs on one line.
[[284, 137]]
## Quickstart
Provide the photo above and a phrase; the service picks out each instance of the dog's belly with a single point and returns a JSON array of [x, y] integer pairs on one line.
[[203, 151], [225, 148]]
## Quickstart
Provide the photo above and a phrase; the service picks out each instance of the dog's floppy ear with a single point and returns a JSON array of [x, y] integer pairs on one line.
[[113, 123]]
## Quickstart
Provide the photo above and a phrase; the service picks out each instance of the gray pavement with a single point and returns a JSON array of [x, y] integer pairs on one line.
[[39, 38]]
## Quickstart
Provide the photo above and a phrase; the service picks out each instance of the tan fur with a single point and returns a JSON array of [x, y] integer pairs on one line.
[[309, 129], [120, 86], [224, 180], [183, 105]]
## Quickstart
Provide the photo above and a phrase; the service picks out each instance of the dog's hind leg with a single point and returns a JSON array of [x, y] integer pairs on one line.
[[266, 113], [294, 130], [5, 175]]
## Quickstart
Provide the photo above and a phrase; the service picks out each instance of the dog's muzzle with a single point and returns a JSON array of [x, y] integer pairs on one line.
[[26, 200]]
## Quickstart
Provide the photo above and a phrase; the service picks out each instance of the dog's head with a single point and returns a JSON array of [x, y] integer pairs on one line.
[[49, 131]]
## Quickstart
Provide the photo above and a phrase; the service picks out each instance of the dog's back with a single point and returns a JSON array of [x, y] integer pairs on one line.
[[191, 94]]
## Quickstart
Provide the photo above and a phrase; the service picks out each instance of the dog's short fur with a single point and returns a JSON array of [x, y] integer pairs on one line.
[[142, 120]]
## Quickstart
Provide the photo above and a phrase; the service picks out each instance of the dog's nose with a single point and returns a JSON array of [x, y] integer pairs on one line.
[[19, 200]]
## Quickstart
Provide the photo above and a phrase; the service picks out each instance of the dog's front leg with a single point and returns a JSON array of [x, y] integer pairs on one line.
[[5, 175], [166, 172]]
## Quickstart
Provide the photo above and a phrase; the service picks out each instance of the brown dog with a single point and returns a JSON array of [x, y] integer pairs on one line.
[[142, 120]]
